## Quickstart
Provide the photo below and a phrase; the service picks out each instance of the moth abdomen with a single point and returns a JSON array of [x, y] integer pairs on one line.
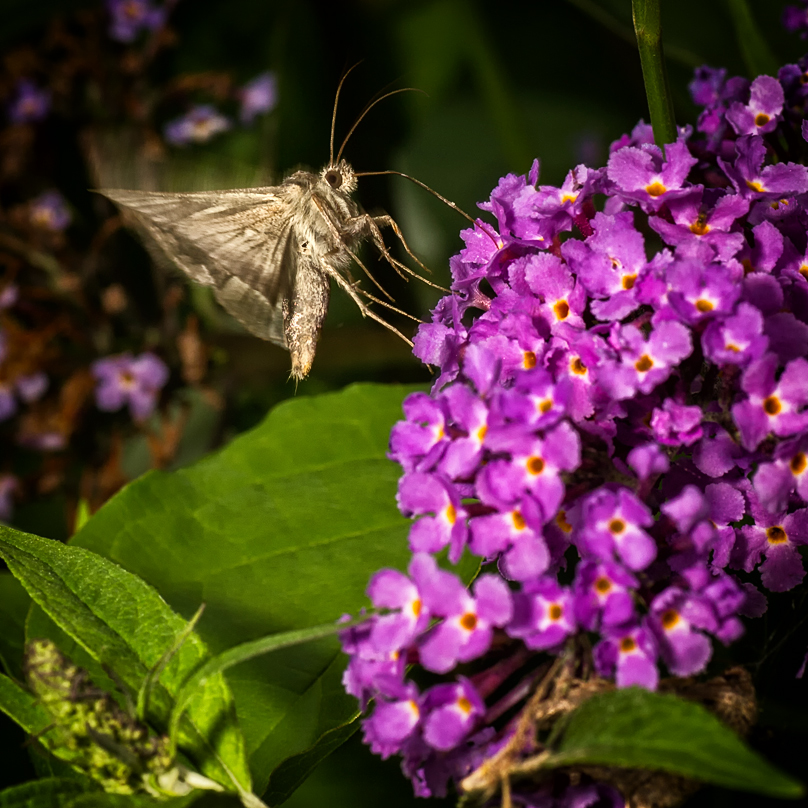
[[304, 312]]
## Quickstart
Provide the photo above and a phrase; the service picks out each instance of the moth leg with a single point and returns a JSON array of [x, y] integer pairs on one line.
[[371, 226], [340, 236], [366, 311]]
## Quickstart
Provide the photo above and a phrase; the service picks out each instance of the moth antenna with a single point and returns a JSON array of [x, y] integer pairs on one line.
[[367, 109], [334, 113], [434, 193], [369, 296]]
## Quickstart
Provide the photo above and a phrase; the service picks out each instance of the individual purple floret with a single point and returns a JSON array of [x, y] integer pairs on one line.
[[420, 494], [774, 537], [128, 18], [198, 126], [49, 211], [544, 614], [762, 113], [258, 96], [645, 176], [773, 405], [30, 103], [611, 523], [466, 630], [127, 380], [628, 653], [453, 711]]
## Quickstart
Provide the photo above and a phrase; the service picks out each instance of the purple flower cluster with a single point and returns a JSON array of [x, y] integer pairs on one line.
[[49, 211], [30, 103], [204, 121], [258, 96], [615, 432], [128, 18], [198, 126], [135, 381]]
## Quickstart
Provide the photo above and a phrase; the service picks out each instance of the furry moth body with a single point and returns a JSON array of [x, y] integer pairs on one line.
[[269, 253]]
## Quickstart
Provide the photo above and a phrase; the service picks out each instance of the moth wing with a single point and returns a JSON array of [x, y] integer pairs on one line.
[[240, 242]]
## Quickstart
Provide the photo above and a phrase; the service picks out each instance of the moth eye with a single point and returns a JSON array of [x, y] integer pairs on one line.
[[334, 179]]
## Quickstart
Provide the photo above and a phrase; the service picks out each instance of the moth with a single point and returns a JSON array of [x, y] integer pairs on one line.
[[270, 253]]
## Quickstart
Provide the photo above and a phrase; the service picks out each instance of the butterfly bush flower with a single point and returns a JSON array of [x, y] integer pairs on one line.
[[258, 96], [49, 211], [30, 103], [201, 124], [617, 430], [128, 18], [134, 381]]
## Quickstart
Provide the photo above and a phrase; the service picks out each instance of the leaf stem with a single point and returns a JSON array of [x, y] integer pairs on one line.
[[648, 28]]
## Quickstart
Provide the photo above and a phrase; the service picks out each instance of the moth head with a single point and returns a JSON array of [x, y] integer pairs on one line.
[[340, 177]]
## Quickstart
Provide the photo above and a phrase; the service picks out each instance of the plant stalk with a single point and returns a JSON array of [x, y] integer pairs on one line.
[[648, 28]]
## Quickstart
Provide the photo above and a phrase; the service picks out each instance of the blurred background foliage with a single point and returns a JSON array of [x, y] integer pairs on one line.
[[502, 83]]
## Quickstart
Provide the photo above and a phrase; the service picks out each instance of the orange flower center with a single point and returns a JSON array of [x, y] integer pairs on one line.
[[529, 360], [535, 465], [602, 585], [761, 119], [644, 363], [617, 526], [627, 645], [670, 618], [655, 189], [555, 612], [561, 309], [772, 405], [628, 281], [776, 535], [798, 463], [469, 621], [518, 520], [704, 305]]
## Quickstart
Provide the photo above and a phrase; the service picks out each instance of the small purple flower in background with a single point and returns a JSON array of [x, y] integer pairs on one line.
[[258, 96], [49, 211], [198, 126], [795, 18], [129, 17], [29, 104], [135, 381], [8, 485], [9, 296], [8, 404]]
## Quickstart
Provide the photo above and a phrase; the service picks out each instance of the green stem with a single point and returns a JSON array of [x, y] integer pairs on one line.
[[648, 28]]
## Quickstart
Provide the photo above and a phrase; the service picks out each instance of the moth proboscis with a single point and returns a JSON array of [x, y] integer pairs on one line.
[[270, 253]]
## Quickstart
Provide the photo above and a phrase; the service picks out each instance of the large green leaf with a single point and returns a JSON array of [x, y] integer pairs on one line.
[[50, 792], [123, 624], [633, 728], [279, 531]]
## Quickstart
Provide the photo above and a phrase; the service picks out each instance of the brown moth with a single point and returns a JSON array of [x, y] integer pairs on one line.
[[270, 253]]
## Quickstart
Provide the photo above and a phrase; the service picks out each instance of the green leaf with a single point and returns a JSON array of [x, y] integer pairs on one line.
[[633, 728], [14, 605], [243, 653], [51, 792], [279, 531], [21, 706], [126, 626]]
